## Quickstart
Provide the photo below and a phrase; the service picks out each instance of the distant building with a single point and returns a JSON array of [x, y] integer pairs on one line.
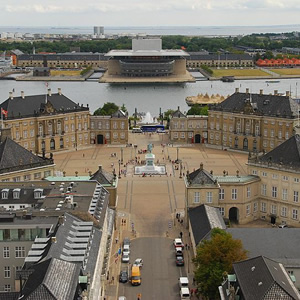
[[147, 59], [98, 30], [109, 129], [41, 71], [188, 128]]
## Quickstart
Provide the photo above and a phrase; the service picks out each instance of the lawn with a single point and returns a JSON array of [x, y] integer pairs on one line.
[[287, 71], [65, 72], [238, 72]]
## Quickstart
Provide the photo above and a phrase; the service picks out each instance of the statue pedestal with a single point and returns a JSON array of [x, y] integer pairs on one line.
[[150, 167]]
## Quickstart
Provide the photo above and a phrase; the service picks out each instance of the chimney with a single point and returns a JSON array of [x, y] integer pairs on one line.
[[237, 173], [100, 167], [201, 166], [49, 92], [261, 92], [178, 108], [59, 91], [275, 92], [22, 94], [11, 95], [287, 93], [247, 90], [237, 90]]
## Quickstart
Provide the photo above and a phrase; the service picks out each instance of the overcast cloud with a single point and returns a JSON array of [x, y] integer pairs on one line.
[[148, 13]]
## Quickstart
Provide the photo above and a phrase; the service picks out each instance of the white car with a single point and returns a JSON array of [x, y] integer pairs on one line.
[[178, 243], [138, 262], [125, 258], [126, 249]]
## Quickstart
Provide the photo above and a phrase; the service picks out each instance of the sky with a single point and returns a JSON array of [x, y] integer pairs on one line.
[[149, 13]]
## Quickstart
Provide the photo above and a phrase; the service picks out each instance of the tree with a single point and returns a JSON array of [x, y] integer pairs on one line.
[[123, 108], [198, 110], [214, 258], [168, 113], [107, 109]]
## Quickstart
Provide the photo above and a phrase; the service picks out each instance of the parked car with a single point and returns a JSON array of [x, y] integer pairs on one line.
[[185, 293], [123, 277], [125, 258], [178, 243], [126, 249], [183, 282], [179, 261], [122, 298], [178, 251], [126, 241], [138, 262]]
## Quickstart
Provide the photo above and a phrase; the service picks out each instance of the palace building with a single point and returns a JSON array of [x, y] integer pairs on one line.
[[47, 122], [147, 60], [252, 122]]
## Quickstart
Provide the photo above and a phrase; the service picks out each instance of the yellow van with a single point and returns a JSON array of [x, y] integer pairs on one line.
[[135, 275]]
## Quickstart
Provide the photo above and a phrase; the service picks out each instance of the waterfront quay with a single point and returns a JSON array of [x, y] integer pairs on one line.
[[147, 206]]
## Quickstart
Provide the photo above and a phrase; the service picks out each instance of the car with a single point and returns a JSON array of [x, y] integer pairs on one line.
[[125, 258], [138, 262], [183, 282], [185, 293], [179, 261], [282, 226], [122, 298], [123, 277], [126, 241], [126, 249], [178, 243], [178, 251], [161, 131]]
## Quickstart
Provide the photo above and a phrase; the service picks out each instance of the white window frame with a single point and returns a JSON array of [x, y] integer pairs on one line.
[[197, 197]]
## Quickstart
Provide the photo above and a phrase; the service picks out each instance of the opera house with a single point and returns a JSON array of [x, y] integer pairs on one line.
[[146, 62]]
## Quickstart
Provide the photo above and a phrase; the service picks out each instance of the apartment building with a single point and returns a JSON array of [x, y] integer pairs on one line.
[[252, 122], [188, 128]]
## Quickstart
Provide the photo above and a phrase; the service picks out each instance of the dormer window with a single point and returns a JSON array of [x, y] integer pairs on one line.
[[38, 193], [4, 193], [16, 193]]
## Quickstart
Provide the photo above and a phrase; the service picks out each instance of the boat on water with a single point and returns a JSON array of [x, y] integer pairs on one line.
[[272, 81], [203, 100]]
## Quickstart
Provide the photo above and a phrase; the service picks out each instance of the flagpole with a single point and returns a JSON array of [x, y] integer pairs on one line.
[[1, 119]]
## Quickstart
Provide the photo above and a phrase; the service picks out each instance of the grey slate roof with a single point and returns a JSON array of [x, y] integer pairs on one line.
[[271, 242], [269, 105], [287, 153], [203, 219], [201, 176], [119, 114], [52, 279], [178, 114], [262, 278], [102, 176], [12, 155], [31, 105]]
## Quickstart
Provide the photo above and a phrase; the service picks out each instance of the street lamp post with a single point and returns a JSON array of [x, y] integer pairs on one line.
[[177, 154], [119, 169], [121, 155], [180, 168]]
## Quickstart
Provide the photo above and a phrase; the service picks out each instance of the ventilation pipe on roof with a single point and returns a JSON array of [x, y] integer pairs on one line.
[[49, 92], [100, 167], [275, 92], [11, 95], [237, 90], [247, 90], [201, 166], [287, 93], [59, 91], [261, 92], [22, 94]]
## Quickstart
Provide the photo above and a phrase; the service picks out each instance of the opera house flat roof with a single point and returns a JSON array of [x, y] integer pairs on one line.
[[146, 53]]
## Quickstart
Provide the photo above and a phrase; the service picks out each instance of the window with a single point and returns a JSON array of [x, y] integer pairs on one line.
[[295, 214], [37, 175], [234, 194], [263, 207], [16, 193], [20, 251], [92, 125], [115, 135], [175, 135], [284, 194], [27, 177], [248, 192], [209, 197], [212, 125], [257, 130], [221, 194], [50, 128], [254, 172], [222, 211], [7, 272], [274, 191], [175, 125], [280, 134], [190, 135], [52, 144], [272, 132], [285, 178], [248, 209], [47, 173], [122, 135], [264, 174], [238, 127], [283, 211], [122, 125], [25, 134], [265, 132], [273, 209], [255, 207], [182, 125], [197, 197], [182, 135], [79, 126], [115, 125], [4, 193], [296, 180], [7, 288], [274, 176], [287, 135], [264, 189], [72, 127], [5, 252], [296, 196]]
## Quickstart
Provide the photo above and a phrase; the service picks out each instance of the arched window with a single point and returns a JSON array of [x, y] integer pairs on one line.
[[245, 143], [43, 145], [59, 127], [61, 143], [52, 144]]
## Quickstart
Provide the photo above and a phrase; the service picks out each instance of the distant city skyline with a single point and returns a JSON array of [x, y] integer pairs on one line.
[[149, 13]]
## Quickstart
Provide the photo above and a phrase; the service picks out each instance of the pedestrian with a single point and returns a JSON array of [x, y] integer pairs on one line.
[[107, 275], [194, 281], [181, 234], [117, 240], [186, 247], [181, 221], [112, 279]]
